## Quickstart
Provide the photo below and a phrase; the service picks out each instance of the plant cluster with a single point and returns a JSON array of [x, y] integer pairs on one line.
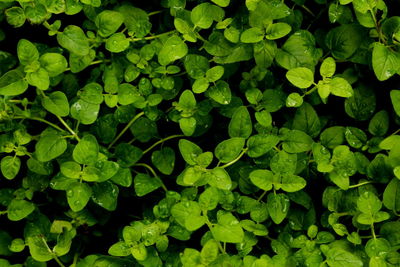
[[194, 133]]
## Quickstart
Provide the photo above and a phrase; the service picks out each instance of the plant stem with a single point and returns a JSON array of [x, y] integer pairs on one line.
[[68, 128], [311, 91], [52, 253], [235, 160], [162, 141], [126, 128], [262, 196], [152, 37], [360, 184], [373, 231], [154, 13], [153, 173], [209, 225], [41, 120], [94, 63]]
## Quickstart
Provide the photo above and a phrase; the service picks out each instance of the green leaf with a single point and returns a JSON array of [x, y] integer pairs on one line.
[[105, 195], [78, 195], [385, 61], [222, 3], [215, 73], [219, 178], [292, 183], [145, 184], [260, 144], [343, 41], [79, 63], [50, 146], [74, 40], [108, 22], [204, 14], [85, 112], [210, 250], [220, 93], [10, 166], [53, 63], [188, 125], [355, 137], [277, 30], [240, 124], [173, 49], [264, 53], [92, 93], [252, 35], [369, 203], [296, 141], [228, 228], [229, 149], [27, 52], [56, 103], [338, 257], [283, 163], [135, 19], [196, 66], [328, 67], [263, 179], [306, 119], [391, 195], [300, 77], [341, 87], [71, 169], [299, 51], [395, 97], [127, 154], [39, 78], [182, 211], [15, 16], [278, 207], [164, 160], [379, 124], [119, 249], [117, 43], [294, 100], [123, 177], [189, 151], [86, 151], [18, 209], [12, 83]]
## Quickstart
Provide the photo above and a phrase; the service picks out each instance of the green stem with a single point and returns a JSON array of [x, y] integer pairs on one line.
[[235, 160], [162, 141], [68, 128], [373, 231], [153, 173], [152, 37], [396, 132], [308, 10], [125, 129], [52, 253], [360, 184], [311, 91], [209, 225], [41, 120], [154, 13], [262, 196], [94, 63]]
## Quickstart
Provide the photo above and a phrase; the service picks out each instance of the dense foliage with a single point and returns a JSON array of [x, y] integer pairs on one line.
[[199, 133]]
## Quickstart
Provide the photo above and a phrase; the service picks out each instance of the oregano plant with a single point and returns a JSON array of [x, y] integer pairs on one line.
[[194, 133]]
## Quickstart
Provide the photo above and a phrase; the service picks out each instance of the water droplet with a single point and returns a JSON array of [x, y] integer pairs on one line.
[[70, 193]]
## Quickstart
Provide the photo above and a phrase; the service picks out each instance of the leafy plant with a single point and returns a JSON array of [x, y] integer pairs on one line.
[[199, 133]]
